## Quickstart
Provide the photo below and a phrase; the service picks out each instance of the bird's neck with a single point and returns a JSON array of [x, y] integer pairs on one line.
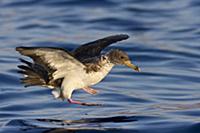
[[105, 63], [110, 57], [98, 71]]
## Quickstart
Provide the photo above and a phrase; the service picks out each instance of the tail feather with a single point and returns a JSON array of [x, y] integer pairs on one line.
[[26, 62], [27, 71], [33, 75], [32, 82], [37, 75]]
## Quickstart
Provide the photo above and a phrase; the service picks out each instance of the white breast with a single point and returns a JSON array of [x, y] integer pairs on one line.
[[95, 77], [82, 79]]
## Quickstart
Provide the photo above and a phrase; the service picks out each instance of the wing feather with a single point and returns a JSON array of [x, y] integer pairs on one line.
[[94, 48], [57, 59]]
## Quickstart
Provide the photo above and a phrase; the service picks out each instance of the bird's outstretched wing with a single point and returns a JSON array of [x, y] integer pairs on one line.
[[94, 48], [56, 59]]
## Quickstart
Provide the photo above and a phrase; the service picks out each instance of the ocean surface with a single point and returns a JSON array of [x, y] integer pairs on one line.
[[164, 41]]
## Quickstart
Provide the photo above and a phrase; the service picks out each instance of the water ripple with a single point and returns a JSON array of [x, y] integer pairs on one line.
[[164, 43]]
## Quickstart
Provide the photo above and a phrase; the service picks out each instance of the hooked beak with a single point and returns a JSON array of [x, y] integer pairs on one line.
[[129, 64]]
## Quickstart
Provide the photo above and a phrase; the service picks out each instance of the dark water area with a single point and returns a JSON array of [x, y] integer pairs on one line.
[[164, 42]]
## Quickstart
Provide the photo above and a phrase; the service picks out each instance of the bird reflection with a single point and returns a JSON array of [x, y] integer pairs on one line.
[[70, 126]]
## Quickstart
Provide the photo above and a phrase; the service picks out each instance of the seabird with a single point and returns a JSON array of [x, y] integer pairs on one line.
[[65, 71]]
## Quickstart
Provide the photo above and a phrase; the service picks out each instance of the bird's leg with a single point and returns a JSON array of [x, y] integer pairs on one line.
[[74, 102], [90, 90], [81, 103]]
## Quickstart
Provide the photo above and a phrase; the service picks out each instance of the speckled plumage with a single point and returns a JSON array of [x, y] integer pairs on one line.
[[65, 71]]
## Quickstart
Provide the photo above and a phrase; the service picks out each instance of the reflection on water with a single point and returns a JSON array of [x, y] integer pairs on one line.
[[61, 126], [164, 42]]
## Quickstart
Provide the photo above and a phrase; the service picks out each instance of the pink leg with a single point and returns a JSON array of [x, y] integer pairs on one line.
[[90, 90], [81, 103]]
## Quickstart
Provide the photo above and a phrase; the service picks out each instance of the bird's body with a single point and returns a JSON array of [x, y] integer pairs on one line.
[[85, 79], [65, 71]]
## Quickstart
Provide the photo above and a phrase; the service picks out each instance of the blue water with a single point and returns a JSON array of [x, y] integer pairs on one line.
[[164, 41]]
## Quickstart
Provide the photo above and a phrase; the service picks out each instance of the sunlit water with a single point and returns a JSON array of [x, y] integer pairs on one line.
[[164, 41]]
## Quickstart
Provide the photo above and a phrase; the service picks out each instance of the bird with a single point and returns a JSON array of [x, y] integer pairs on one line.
[[64, 71]]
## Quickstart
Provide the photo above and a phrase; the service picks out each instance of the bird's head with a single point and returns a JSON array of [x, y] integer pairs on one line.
[[118, 57]]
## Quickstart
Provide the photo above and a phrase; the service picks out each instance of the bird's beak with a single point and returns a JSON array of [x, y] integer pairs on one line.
[[129, 64]]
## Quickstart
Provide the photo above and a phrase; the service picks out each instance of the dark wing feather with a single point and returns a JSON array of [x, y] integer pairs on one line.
[[94, 48]]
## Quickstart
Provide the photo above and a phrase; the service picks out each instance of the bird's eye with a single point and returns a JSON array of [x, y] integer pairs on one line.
[[122, 57], [103, 58]]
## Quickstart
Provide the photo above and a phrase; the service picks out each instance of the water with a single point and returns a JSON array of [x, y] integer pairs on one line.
[[164, 42]]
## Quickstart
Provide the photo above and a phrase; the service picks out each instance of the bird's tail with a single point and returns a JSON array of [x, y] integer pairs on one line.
[[36, 75], [33, 74]]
